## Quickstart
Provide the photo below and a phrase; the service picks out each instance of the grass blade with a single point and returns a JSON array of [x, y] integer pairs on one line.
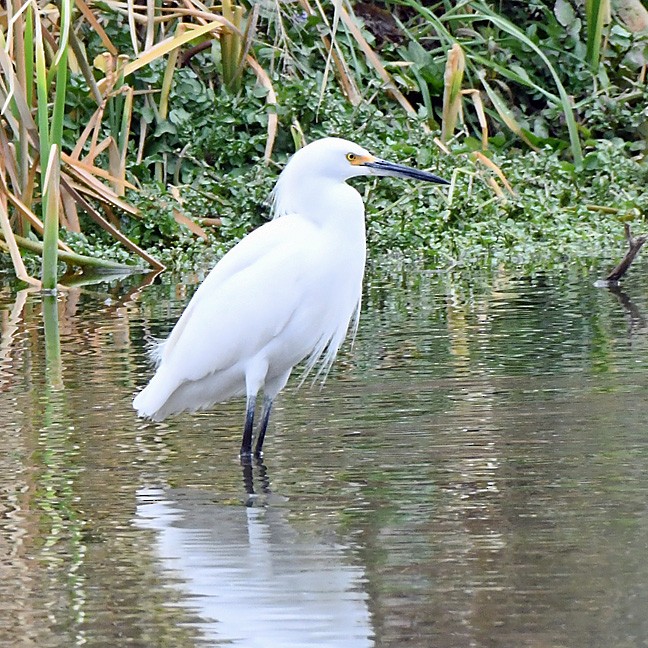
[[505, 114], [164, 47], [452, 80], [596, 12], [565, 102]]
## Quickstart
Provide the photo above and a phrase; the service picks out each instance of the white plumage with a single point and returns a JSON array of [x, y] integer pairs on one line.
[[288, 291]]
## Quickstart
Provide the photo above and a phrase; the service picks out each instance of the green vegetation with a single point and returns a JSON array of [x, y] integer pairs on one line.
[[127, 134]]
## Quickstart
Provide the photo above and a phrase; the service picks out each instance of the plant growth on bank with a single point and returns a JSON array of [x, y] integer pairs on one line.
[[155, 131]]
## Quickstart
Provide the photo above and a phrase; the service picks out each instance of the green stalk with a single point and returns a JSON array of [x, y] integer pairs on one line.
[[167, 81], [595, 11], [50, 209], [124, 131], [42, 113], [29, 56], [58, 113], [64, 29], [24, 61], [226, 45], [119, 151], [50, 182], [231, 46], [425, 95], [51, 202]]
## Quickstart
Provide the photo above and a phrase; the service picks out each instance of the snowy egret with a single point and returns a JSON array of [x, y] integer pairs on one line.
[[286, 292]]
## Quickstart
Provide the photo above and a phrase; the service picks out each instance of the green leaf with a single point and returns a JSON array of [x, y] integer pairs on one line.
[[164, 127], [564, 13], [177, 116]]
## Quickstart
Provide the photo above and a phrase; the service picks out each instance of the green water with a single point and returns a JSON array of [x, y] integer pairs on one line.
[[473, 473]]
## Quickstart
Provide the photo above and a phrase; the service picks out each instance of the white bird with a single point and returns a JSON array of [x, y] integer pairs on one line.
[[287, 291]]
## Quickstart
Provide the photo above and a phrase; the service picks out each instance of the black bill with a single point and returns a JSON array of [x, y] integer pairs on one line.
[[384, 168]]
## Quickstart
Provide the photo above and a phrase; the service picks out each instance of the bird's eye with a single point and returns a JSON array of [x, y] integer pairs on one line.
[[352, 157]]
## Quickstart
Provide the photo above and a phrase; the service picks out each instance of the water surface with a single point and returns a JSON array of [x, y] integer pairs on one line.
[[473, 473]]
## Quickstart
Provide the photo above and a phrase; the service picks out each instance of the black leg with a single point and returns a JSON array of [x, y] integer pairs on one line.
[[265, 417], [246, 443]]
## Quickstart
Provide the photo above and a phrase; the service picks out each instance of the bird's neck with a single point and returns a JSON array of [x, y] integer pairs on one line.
[[323, 201]]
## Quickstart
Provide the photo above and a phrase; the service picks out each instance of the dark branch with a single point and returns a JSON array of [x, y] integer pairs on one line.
[[634, 245]]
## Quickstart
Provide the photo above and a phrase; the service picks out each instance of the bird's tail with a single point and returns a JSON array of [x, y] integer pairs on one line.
[[150, 402]]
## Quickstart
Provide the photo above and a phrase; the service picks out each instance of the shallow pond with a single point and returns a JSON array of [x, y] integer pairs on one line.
[[473, 473]]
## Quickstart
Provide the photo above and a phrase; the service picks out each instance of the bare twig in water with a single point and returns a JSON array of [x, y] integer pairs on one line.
[[634, 245]]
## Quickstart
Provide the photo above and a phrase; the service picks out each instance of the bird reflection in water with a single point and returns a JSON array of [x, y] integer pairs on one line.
[[256, 496], [251, 577]]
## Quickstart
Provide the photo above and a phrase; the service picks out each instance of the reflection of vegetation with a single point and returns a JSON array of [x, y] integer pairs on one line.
[[507, 324], [72, 567], [53, 367], [61, 527]]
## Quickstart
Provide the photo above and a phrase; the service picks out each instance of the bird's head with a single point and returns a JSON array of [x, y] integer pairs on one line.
[[339, 159], [311, 171]]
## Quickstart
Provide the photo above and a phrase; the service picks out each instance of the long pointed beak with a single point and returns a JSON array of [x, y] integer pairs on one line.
[[384, 168]]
